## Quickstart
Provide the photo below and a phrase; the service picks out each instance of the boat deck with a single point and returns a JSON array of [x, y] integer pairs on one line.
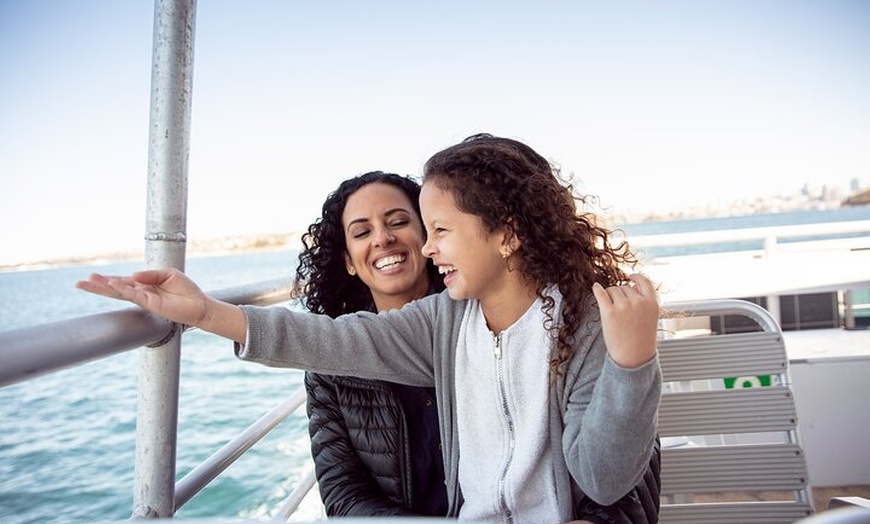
[[827, 344]]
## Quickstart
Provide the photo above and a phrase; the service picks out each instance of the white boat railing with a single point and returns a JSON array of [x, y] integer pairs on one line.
[[772, 236], [200, 476], [787, 260]]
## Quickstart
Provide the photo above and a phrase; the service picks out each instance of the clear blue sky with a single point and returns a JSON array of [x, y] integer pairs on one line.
[[653, 105]]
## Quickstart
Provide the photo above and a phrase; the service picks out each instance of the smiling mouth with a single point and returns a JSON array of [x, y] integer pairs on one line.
[[390, 261], [446, 270]]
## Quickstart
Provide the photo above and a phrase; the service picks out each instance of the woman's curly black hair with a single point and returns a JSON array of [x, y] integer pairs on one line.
[[506, 183], [322, 282]]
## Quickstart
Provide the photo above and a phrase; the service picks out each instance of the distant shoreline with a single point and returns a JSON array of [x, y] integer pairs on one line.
[[211, 247], [278, 241]]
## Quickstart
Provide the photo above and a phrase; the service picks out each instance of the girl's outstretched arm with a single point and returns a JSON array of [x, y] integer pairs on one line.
[[629, 318], [172, 295]]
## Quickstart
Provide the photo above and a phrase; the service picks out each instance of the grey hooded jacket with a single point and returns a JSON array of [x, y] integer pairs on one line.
[[602, 416]]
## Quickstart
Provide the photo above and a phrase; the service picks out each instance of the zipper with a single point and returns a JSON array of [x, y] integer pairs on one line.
[[499, 374]]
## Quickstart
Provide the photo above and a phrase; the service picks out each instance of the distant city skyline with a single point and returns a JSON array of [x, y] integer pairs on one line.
[[654, 107], [802, 199]]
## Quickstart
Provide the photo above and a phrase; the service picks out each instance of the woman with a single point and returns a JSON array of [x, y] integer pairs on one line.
[[364, 254]]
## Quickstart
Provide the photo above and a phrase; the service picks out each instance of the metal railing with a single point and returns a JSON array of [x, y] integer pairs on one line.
[[849, 241], [770, 235]]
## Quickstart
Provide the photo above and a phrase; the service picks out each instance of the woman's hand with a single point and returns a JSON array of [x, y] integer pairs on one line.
[[629, 318]]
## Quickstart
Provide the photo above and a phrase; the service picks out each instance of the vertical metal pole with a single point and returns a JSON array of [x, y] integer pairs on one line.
[[773, 301], [848, 309], [166, 223]]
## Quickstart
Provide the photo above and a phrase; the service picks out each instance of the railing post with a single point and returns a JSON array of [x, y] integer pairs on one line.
[[772, 300], [165, 241], [848, 311]]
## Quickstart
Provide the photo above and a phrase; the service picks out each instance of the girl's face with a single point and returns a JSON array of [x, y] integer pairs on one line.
[[467, 255], [384, 237]]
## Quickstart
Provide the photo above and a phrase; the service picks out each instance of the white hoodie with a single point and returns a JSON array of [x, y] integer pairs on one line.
[[505, 462]]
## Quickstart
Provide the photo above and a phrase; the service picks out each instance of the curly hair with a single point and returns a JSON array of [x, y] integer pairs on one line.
[[322, 282], [507, 184]]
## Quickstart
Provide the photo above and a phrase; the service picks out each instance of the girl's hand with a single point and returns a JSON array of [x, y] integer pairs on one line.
[[165, 292], [629, 319]]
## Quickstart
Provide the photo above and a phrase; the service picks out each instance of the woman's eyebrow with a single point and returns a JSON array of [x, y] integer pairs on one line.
[[388, 213], [397, 210]]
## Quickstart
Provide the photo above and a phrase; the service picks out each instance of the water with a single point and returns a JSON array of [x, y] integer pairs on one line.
[[67, 439]]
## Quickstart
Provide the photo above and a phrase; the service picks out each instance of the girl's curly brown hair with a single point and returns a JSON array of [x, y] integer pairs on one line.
[[322, 282], [506, 183]]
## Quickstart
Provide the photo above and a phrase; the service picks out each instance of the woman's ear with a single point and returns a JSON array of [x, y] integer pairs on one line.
[[349, 265]]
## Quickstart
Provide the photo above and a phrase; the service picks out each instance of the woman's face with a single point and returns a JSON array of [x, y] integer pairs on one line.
[[384, 237]]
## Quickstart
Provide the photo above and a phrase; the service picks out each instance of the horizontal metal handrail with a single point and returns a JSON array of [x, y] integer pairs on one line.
[[33, 351], [205, 472], [751, 233], [289, 505], [29, 352]]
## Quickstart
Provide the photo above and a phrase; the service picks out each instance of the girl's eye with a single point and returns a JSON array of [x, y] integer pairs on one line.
[[399, 223], [362, 233]]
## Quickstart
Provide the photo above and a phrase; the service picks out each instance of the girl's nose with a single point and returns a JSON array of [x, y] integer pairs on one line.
[[427, 249]]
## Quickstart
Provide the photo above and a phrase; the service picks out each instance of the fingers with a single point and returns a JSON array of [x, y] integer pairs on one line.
[[601, 295], [97, 284], [629, 315], [151, 277], [643, 284], [640, 286], [121, 288]]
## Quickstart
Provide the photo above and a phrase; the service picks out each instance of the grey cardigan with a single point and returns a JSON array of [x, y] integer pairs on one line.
[[602, 416]]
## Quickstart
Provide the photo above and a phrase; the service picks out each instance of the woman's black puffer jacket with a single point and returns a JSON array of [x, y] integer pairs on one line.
[[640, 506], [361, 449]]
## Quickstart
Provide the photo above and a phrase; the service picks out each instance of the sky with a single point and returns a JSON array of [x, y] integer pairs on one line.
[[651, 106]]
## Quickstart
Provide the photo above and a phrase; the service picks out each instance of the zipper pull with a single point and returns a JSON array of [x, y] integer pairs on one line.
[[496, 338]]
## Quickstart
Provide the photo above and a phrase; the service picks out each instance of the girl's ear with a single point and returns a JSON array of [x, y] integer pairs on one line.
[[510, 242], [514, 242]]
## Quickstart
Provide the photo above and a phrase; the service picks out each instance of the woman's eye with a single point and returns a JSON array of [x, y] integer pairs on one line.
[[399, 223], [362, 233]]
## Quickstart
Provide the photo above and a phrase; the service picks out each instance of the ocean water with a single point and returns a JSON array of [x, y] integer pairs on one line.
[[67, 439]]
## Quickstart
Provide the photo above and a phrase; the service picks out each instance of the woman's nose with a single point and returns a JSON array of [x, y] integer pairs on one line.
[[384, 237]]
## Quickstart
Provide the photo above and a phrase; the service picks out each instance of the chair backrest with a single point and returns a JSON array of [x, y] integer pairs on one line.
[[728, 422]]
